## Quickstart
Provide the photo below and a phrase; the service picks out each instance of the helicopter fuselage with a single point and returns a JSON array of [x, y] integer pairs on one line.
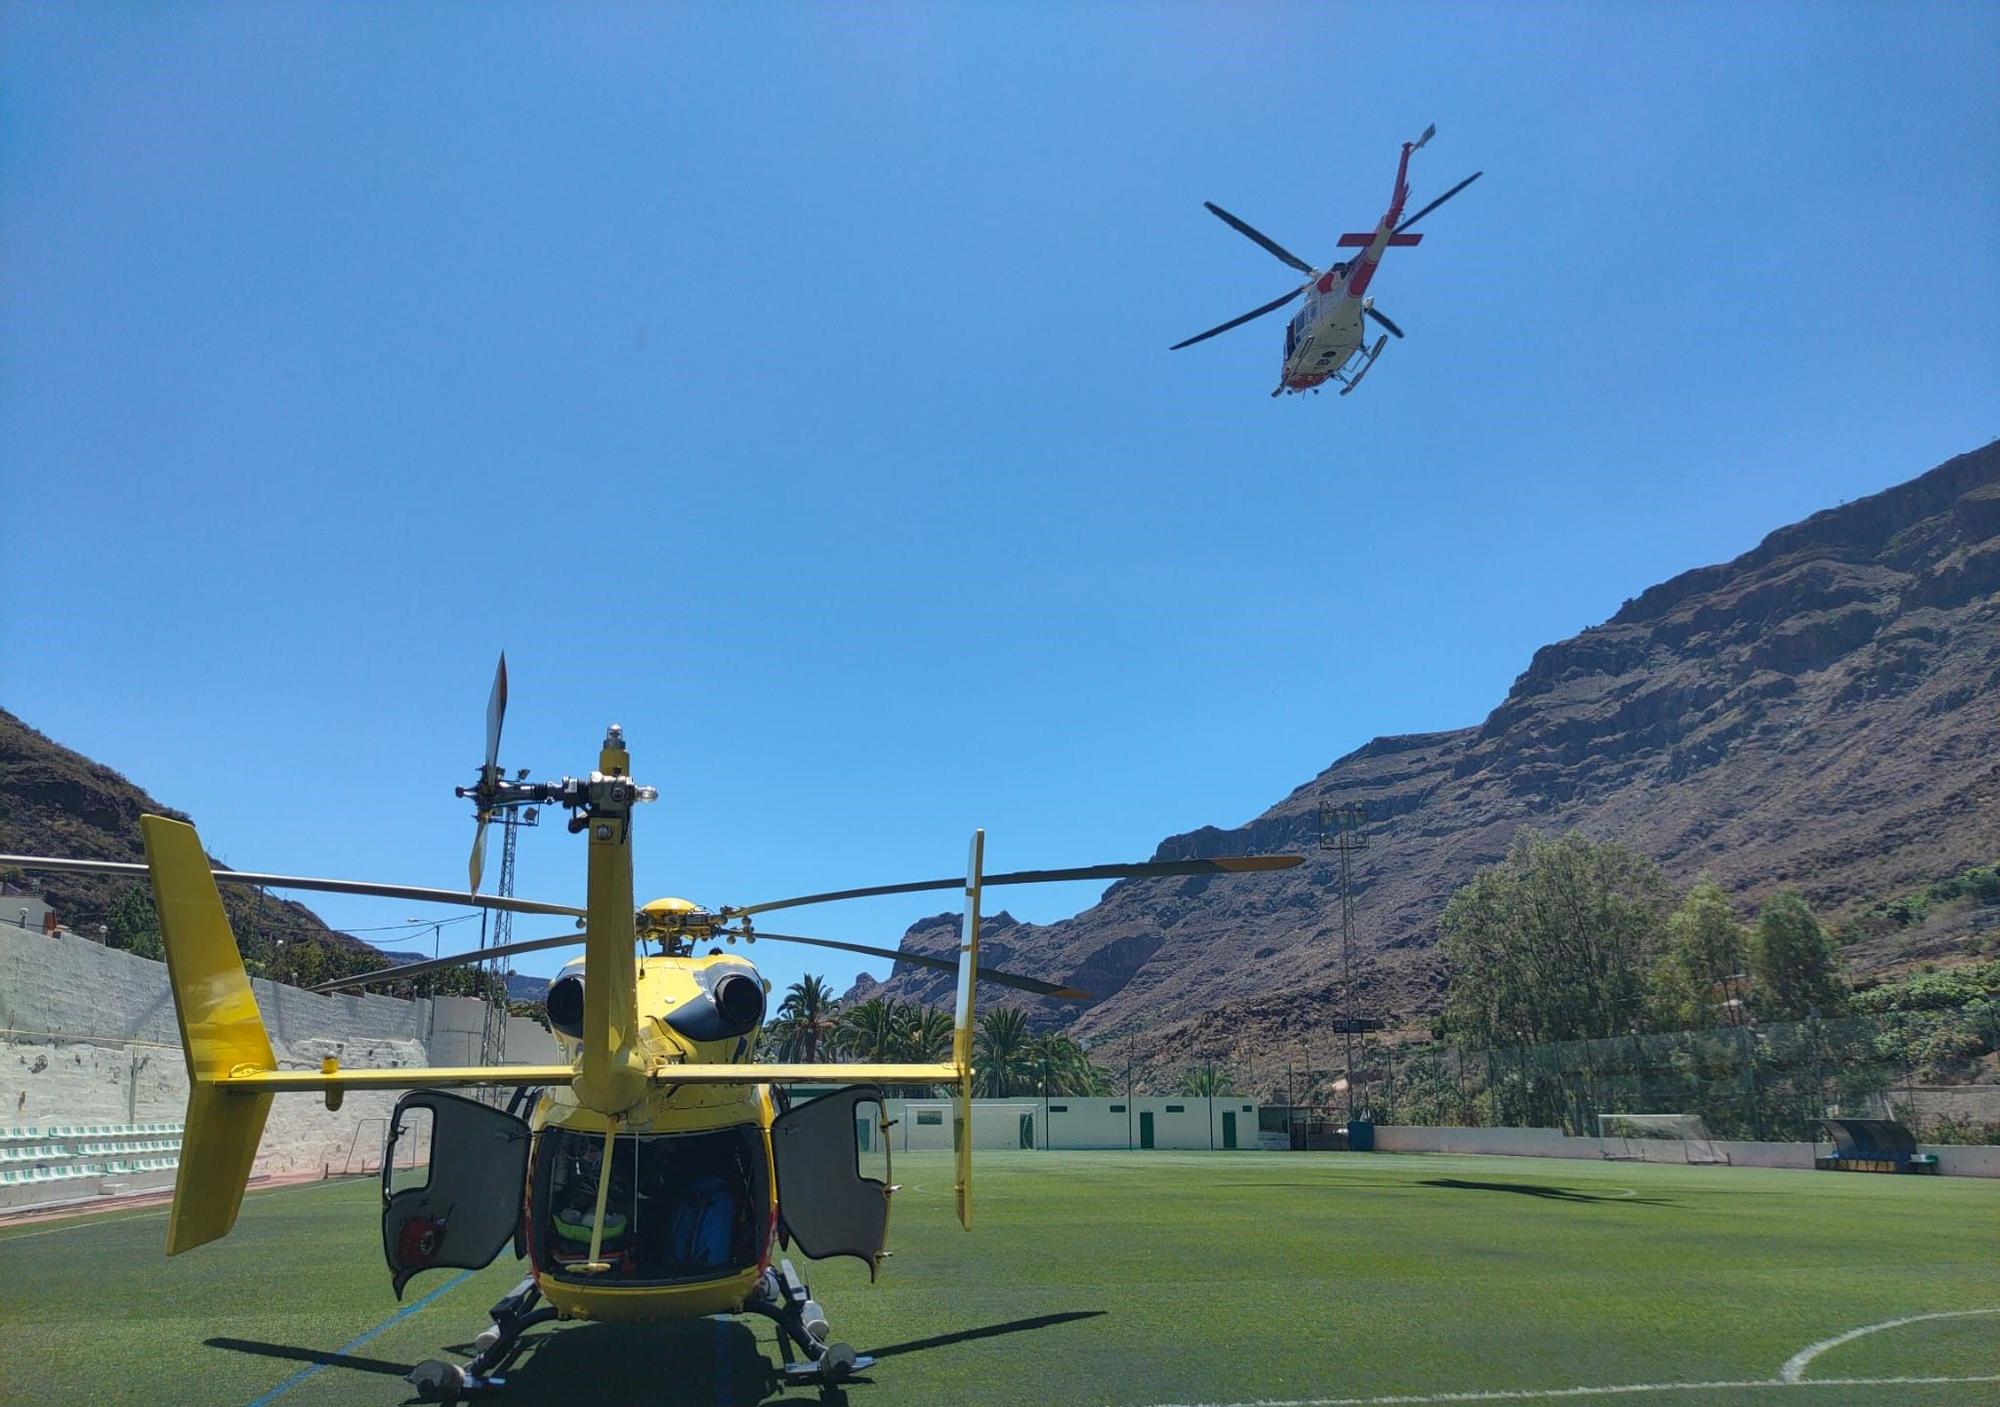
[[692, 1209], [1323, 336]]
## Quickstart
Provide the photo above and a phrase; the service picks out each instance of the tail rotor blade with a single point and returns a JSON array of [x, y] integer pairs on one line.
[[476, 866], [1259, 237], [1439, 201], [496, 714], [1383, 319], [1270, 307]]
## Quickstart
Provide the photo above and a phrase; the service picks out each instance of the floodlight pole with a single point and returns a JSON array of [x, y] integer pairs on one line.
[[493, 971], [1348, 836]]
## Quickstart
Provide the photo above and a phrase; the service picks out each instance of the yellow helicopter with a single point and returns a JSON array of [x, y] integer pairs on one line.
[[658, 1171]]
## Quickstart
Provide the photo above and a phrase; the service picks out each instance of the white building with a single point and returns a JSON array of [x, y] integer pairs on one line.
[[1145, 1121]]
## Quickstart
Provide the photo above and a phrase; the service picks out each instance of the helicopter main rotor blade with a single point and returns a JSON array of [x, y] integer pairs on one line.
[[417, 969], [1439, 201], [1148, 869], [454, 897], [1251, 233], [985, 974], [1270, 307], [1383, 319]]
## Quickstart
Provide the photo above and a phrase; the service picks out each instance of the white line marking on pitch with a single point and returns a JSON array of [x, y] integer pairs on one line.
[[1795, 1366], [1792, 1375], [1550, 1394]]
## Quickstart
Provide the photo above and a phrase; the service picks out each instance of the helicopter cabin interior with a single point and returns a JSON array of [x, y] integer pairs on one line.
[[680, 1207]]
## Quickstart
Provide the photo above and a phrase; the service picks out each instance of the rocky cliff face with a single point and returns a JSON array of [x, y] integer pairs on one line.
[[54, 801], [1823, 712]]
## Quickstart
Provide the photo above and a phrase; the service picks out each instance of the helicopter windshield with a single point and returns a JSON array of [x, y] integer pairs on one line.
[[680, 1207]]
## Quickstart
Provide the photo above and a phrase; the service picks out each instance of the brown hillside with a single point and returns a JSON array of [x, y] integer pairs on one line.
[[1823, 712], [54, 801]]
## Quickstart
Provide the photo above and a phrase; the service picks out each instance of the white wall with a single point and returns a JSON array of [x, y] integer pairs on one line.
[[926, 1123], [88, 1036], [1553, 1143]]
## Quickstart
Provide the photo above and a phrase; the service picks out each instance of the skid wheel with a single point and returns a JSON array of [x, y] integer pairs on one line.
[[836, 1362], [438, 1381]]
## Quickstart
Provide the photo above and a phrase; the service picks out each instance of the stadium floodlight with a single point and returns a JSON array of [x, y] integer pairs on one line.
[[1623, 1138]]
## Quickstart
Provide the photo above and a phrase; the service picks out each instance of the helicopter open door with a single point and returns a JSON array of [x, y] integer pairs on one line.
[[824, 1201], [470, 1204]]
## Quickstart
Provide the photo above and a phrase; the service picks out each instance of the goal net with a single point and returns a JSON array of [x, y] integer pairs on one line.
[[1627, 1137]]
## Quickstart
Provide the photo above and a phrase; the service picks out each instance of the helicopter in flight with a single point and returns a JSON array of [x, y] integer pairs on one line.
[[1326, 340], [652, 1176]]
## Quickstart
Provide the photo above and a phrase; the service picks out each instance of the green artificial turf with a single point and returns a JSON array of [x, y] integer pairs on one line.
[[1110, 1278]]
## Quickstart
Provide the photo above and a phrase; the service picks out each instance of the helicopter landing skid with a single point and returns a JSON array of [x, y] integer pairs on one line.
[[1350, 380], [438, 1381], [784, 1299]]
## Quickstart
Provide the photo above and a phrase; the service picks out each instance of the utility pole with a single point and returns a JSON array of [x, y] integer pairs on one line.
[[1348, 836], [1128, 1092]]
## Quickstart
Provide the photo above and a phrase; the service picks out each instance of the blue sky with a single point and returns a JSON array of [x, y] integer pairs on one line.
[[790, 384]]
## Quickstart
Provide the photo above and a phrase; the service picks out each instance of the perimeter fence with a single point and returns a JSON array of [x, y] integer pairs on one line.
[[1935, 1071]]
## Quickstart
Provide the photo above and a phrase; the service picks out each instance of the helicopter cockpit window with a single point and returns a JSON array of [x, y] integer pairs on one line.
[[679, 1207]]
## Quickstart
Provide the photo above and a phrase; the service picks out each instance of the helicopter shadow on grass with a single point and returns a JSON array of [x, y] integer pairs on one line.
[[727, 1361], [1545, 1191], [721, 1360]]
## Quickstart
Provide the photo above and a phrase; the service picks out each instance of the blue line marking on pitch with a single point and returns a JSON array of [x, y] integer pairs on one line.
[[404, 1313]]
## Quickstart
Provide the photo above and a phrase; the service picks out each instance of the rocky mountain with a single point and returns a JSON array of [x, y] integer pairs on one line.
[[1822, 712], [55, 801]]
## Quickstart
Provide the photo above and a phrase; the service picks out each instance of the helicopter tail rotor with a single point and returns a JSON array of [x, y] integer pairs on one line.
[[486, 790]]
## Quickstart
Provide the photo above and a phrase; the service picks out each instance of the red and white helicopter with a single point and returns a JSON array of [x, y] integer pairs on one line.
[[1325, 340]]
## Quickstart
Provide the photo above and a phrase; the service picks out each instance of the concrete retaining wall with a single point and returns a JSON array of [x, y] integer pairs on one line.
[[70, 986], [88, 1036]]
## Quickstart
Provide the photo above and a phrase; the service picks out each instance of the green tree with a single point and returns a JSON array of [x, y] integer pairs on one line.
[[1065, 1066], [872, 1030], [1204, 1082], [133, 925], [1793, 963], [927, 1032], [805, 1021], [1705, 947], [1552, 944], [1004, 1060]]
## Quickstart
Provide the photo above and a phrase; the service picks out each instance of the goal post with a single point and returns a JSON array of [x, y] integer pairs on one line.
[[1624, 1138]]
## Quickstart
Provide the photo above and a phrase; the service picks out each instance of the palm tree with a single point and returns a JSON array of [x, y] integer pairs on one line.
[[1002, 1057], [805, 1020], [1206, 1082], [871, 1031], [927, 1032], [1064, 1067]]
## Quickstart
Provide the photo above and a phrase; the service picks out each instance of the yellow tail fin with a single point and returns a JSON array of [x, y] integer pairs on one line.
[[221, 1033]]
